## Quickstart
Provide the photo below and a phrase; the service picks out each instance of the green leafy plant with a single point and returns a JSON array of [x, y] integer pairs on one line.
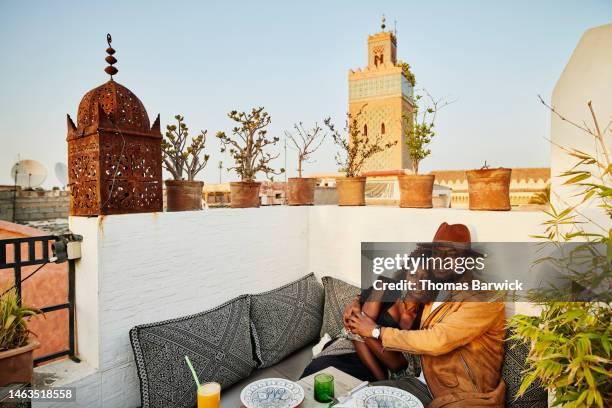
[[407, 72], [419, 129], [570, 340], [356, 147], [14, 318], [305, 142], [248, 143], [180, 157], [541, 197]]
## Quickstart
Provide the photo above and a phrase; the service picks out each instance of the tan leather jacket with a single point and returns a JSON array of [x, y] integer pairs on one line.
[[461, 348]]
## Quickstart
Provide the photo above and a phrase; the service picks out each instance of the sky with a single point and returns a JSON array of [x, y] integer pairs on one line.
[[203, 59]]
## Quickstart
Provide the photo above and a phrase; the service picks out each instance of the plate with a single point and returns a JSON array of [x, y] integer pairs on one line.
[[385, 397], [272, 393]]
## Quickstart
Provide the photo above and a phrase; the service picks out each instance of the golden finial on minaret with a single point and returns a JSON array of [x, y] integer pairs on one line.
[[110, 70], [382, 25]]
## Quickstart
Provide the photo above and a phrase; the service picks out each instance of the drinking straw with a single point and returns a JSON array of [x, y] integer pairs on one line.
[[195, 376]]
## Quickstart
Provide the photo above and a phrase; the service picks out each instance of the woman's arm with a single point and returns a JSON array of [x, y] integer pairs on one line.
[[405, 313], [393, 360]]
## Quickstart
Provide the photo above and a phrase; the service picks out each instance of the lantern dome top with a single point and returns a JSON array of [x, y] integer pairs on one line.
[[120, 105]]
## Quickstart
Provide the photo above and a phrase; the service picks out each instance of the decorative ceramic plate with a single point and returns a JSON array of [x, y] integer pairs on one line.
[[385, 397], [272, 393]]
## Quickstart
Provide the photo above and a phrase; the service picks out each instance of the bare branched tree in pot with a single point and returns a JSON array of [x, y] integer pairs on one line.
[[300, 190], [416, 190], [183, 155], [248, 145], [355, 148]]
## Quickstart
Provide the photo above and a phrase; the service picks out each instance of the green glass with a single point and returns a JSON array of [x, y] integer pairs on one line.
[[324, 387]]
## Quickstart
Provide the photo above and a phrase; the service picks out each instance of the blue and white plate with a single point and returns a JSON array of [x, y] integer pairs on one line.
[[385, 397], [272, 393]]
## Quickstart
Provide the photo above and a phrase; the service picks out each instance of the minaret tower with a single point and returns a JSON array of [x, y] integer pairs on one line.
[[383, 95]]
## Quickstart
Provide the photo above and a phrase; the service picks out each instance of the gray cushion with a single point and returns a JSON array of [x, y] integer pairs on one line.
[[338, 294], [286, 319], [515, 355], [217, 341]]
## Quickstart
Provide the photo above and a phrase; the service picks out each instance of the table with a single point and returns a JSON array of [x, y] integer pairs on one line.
[[343, 383]]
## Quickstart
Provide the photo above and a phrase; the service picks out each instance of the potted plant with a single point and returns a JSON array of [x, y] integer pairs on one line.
[[16, 344], [181, 157], [354, 151], [247, 145], [416, 189], [489, 189], [570, 340], [300, 190]]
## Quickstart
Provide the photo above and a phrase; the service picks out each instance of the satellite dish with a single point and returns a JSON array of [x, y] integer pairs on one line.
[[28, 174], [61, 172]]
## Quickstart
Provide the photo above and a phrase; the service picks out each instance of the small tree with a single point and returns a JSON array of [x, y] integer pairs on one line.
[[306, 142], [248, 143], [179, 157], [357, 147], [419, 128]]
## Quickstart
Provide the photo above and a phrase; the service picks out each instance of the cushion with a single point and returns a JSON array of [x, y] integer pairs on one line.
[[217, 341], [338, 294], [515, 355], [286, 319]]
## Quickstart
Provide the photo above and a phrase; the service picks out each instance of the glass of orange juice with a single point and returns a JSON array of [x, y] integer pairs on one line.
[[209, 395]]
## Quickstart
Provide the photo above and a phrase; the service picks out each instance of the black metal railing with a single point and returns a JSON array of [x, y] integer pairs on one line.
[[40, 258]]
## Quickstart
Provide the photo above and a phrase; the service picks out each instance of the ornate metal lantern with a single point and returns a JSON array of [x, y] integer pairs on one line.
[[114, 155]]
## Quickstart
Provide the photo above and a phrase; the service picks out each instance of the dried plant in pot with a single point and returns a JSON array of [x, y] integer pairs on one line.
[[248, 145], [489, 189], [183, 156], [355, 149], [300, 190], [416, 189], [16, 343]]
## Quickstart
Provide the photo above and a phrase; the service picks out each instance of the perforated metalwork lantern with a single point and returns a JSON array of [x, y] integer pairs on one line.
[[114, 155]]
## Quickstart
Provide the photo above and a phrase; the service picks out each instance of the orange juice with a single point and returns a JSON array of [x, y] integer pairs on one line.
[[209, 395]]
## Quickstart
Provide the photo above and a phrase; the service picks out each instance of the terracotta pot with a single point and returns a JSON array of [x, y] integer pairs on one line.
[[489, 189], [244, 194], [16, 364], [183, 195], [300, 191], [351, 190], [416, 190]]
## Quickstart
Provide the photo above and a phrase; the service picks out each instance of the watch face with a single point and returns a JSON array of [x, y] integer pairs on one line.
[[376, 333]]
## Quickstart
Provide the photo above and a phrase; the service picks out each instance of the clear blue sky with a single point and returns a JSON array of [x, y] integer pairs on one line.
[[202, 59]]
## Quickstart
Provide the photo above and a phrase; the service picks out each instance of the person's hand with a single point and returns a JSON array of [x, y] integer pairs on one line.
[[408, 312], [353, 307], [361, 324]]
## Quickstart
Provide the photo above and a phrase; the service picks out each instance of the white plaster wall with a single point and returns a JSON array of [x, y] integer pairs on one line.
[[586, 77], [153, 267], [336, 233], [87, 285]]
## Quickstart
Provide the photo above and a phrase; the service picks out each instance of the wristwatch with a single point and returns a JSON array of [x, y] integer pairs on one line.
[[376, 332]]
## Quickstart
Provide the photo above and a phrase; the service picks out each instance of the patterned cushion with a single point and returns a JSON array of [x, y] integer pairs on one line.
[[512, 373], [286, 319], [217, 341], [338, 294]]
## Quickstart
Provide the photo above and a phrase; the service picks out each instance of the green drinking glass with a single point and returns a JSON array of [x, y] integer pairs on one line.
[[324, 387]]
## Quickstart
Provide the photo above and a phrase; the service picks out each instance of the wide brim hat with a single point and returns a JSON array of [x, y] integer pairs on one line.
[[451, 236]]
